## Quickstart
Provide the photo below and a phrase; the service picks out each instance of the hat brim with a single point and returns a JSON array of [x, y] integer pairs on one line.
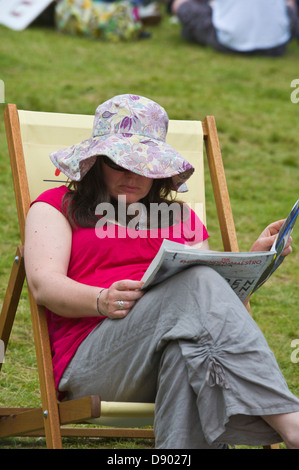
[[145, 156]]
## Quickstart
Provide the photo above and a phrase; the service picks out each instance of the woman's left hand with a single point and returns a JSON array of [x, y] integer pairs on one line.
[[268, 236]]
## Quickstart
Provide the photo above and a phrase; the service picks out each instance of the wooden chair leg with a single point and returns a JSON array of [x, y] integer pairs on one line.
[[272, 446], [12, 297], [21, 421], [50, 414], [46, 379]]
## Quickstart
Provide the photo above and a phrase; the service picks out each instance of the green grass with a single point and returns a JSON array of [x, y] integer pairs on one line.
[[258, 130]]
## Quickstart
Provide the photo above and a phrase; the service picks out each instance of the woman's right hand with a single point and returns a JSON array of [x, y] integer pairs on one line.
[[117, 301]]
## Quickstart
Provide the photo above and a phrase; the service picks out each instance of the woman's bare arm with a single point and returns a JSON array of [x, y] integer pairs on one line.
[[48, 239]]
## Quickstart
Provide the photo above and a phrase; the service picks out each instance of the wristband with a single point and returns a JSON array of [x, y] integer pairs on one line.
[[98, 301]]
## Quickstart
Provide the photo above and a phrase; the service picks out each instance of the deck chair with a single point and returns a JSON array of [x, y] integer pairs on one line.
[[31, 137]]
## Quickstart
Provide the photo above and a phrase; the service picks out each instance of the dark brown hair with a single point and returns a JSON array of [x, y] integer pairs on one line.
[[79, 204]]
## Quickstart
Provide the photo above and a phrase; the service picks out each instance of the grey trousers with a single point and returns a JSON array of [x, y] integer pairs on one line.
[[190, 345]]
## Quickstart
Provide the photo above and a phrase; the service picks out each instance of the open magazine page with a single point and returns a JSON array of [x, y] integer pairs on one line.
[[279, 244], [286, 229], [241, 270], [245, 272]]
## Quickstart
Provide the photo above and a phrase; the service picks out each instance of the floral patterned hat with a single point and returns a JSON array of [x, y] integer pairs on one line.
[[131, 130]]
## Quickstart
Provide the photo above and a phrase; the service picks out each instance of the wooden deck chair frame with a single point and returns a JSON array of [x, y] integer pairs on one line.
[[51, 418]]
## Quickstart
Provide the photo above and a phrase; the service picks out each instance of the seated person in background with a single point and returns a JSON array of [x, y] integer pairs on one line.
[[188, 344], [262, 27]]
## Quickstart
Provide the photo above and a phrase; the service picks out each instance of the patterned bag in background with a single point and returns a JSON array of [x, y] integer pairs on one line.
[[110, 21]]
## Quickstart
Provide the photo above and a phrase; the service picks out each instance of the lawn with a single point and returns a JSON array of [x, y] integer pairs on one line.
[[258, 130]]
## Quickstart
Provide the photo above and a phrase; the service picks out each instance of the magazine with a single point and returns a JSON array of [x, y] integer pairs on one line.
[[245, 272]]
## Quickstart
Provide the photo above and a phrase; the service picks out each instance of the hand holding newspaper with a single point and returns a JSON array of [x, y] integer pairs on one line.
[[245, 272]]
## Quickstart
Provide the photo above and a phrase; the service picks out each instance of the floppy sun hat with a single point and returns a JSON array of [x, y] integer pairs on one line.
[[131, 131]]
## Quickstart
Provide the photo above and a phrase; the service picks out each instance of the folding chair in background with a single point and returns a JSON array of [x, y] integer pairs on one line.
[[31, 137]]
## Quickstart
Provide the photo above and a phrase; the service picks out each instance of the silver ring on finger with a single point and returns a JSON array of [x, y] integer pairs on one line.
[[120, 304]]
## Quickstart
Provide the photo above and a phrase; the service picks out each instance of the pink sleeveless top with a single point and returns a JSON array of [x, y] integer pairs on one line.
[[99, 259]]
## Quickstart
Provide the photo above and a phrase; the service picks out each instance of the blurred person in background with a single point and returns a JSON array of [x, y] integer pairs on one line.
[[258, 27]]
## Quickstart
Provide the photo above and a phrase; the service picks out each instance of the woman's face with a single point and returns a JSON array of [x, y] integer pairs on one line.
[[125, 183]]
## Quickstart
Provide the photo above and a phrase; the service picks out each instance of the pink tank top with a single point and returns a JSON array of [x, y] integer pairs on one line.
[[99, 260]]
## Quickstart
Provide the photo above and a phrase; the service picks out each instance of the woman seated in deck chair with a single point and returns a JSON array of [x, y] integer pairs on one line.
[[188, 344]]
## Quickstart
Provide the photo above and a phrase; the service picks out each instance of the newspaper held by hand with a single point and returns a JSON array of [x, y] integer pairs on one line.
[[245, 272]]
